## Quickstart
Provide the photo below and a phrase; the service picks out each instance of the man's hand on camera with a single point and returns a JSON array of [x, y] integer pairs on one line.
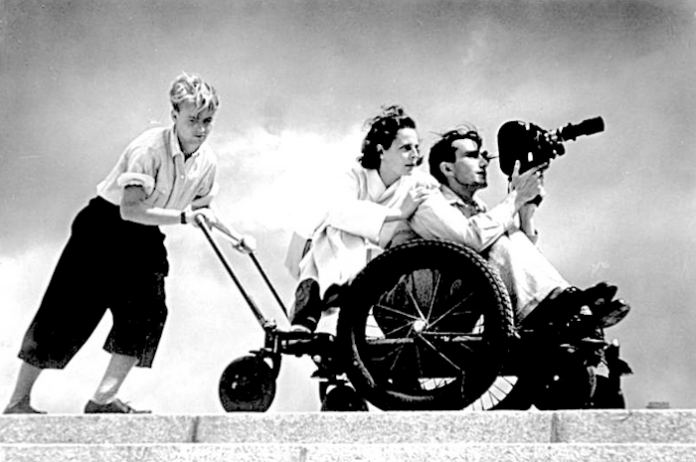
[[528, 185]]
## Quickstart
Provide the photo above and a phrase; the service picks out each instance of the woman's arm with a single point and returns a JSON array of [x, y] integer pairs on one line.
[[352, 210]]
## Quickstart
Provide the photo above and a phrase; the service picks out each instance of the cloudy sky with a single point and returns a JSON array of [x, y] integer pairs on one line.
[[80, 79]]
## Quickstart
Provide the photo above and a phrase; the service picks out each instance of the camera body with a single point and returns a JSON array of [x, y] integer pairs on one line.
[[532, 145]]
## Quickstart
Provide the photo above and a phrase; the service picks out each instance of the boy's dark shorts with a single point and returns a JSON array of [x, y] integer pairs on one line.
[[108, 263]]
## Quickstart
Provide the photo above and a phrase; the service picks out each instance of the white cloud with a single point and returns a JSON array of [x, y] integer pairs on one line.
[[285, 176]]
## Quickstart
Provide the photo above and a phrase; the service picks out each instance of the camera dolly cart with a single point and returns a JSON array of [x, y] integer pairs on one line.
[[427, 325]]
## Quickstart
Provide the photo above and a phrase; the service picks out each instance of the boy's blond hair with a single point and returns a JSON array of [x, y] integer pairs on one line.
[[192, 88]]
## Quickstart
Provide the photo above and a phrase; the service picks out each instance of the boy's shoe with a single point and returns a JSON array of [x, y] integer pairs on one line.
[[114, 407], [22, 407]]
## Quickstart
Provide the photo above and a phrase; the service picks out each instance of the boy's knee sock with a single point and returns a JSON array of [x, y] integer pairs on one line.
[[115, 374], [25, 383]]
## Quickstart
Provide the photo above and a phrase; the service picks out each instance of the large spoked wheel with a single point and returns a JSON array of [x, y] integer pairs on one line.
[[426, 327], [247, 385]]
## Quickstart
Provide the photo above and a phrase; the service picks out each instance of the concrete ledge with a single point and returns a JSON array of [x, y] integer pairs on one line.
[[647, 426], [97, 429], [527, 427], [345, 453], [376, 428]]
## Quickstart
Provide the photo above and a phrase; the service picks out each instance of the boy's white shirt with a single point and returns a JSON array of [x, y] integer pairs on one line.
[[154, 161]]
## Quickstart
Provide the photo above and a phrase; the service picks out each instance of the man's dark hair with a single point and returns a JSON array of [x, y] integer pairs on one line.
[[442, 150], [382, 132]]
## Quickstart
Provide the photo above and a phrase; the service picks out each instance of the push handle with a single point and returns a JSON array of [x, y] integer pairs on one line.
[[203, 224], [237, 241]]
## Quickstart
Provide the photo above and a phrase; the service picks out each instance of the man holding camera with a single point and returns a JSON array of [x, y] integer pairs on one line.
[[505, 235]]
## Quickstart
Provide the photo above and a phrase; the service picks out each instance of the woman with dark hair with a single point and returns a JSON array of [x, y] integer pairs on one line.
[[373, 203]]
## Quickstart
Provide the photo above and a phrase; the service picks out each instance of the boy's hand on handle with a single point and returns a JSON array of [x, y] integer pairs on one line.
[[204, 214], [241, 243]]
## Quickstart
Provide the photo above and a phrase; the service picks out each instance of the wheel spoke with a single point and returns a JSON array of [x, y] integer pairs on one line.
[[420, 365], [469, 349], [391, 332], [444, 315], [501, 387], [399, 350], [443, 356], [507, 381], [395, 352], [480, 326], [398, 356], [394, 310], [416, 305], [391, 325], [488, 400], [451, 334], [497, 386], [432, 300]]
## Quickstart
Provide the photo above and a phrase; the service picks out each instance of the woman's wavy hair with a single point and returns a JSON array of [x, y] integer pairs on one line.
[[382, 132], [443, 151]]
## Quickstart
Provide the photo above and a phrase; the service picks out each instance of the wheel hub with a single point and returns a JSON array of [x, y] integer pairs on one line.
[[419, 325]]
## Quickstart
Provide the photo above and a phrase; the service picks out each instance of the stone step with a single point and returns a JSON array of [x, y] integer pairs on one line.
[[398, 452], [375, 428]]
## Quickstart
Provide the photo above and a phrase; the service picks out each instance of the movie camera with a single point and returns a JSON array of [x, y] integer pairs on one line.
[[532, 145]]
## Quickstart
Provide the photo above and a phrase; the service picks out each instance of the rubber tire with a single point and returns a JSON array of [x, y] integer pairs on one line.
[[458, 264], [247, 385], [343, 398]]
